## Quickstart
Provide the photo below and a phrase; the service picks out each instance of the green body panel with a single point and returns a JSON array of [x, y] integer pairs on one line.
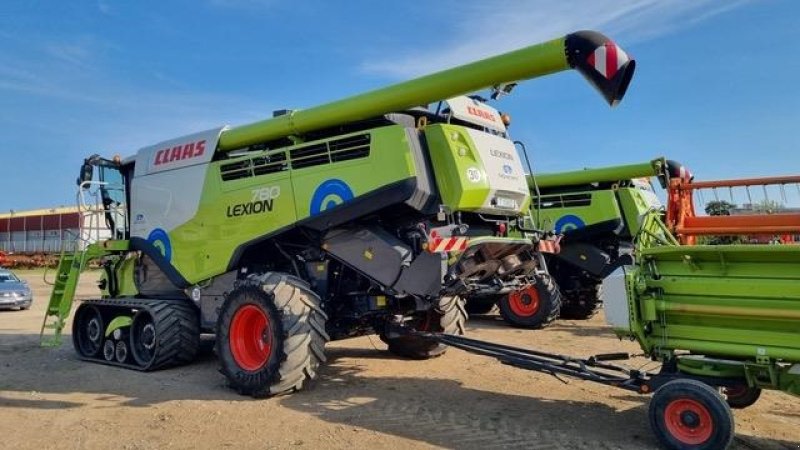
[[602, 207], [735, 302], [452, 154], [203, 247], [576, 196], [635, 205], [537, 60], [598, 175], [125, 282], [117, 323]]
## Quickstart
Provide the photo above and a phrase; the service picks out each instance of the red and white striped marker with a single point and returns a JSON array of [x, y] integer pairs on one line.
[[443, 245], [608, 59], [437, 244]]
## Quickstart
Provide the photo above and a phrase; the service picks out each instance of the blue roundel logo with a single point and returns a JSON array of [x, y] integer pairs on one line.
[[507, 169], [330, 193], [568, 223], [160, 240]]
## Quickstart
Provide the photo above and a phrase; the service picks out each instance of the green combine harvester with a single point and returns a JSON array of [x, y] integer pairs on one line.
[[597, 212], [366, 215]]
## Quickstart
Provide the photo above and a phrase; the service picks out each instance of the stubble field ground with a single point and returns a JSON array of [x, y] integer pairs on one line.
[[364, 398]]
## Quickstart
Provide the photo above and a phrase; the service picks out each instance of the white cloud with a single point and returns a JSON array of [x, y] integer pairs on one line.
[[483, 28], [67, 75]]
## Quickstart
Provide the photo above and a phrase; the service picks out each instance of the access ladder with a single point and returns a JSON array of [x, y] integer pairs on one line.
[[69, 270]]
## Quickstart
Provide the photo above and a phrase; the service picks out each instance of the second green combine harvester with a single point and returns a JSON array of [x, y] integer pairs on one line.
[[597, 212], [365, 215]]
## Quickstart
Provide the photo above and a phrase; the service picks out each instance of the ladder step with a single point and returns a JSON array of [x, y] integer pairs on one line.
[[61, 297]]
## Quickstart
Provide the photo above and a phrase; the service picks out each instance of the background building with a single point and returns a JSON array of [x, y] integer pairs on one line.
[[39, 231]]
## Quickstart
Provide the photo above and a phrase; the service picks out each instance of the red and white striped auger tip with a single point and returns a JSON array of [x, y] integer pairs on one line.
[[604, 64]]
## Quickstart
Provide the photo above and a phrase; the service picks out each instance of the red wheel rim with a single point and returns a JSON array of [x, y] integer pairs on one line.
[[688, 421], [250, 337], [524, 302]]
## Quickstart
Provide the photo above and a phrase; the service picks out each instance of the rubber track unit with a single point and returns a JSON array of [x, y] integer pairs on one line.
[[177, 327], [582, 303], [301, 335]]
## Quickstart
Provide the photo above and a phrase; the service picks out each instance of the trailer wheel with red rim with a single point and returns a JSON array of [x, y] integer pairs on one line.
[[271, 335], [533, 306], [688, 414]]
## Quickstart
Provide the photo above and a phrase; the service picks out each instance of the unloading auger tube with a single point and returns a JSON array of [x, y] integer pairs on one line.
[[604, 65], [656, 168]]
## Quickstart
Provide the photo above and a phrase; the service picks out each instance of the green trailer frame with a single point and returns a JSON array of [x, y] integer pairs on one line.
[[736, 305]]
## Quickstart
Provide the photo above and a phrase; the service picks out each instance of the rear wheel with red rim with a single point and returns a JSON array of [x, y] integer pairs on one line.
[[688, 414], [534, 306], [266, 350], [250, 338]]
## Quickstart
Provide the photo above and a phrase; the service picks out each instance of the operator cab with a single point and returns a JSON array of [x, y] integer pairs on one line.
[[107, 194]]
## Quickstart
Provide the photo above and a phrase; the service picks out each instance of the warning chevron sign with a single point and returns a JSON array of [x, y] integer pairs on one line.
[[438, 244], [607, 59]]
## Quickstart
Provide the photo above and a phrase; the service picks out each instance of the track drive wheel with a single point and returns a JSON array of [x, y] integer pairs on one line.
[[165, 334], [449, 316], [271, 335], [87, 331], [584, 302], [742, 396], [687, 414], [534, 306]]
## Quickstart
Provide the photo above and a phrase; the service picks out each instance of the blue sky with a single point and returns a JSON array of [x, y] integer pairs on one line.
[[716, 82]]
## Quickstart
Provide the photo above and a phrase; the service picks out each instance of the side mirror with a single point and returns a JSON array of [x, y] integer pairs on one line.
[[86, 172]]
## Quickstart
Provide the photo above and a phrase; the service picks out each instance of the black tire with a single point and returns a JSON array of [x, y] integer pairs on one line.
[[293, 334], [175, 335], [482, 305], [517, 308], [88, 328], [584, 302], [740, 397], [689, 415], [449, 317]]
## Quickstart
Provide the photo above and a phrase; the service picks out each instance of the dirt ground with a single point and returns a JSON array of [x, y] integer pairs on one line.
[[364, 398]]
